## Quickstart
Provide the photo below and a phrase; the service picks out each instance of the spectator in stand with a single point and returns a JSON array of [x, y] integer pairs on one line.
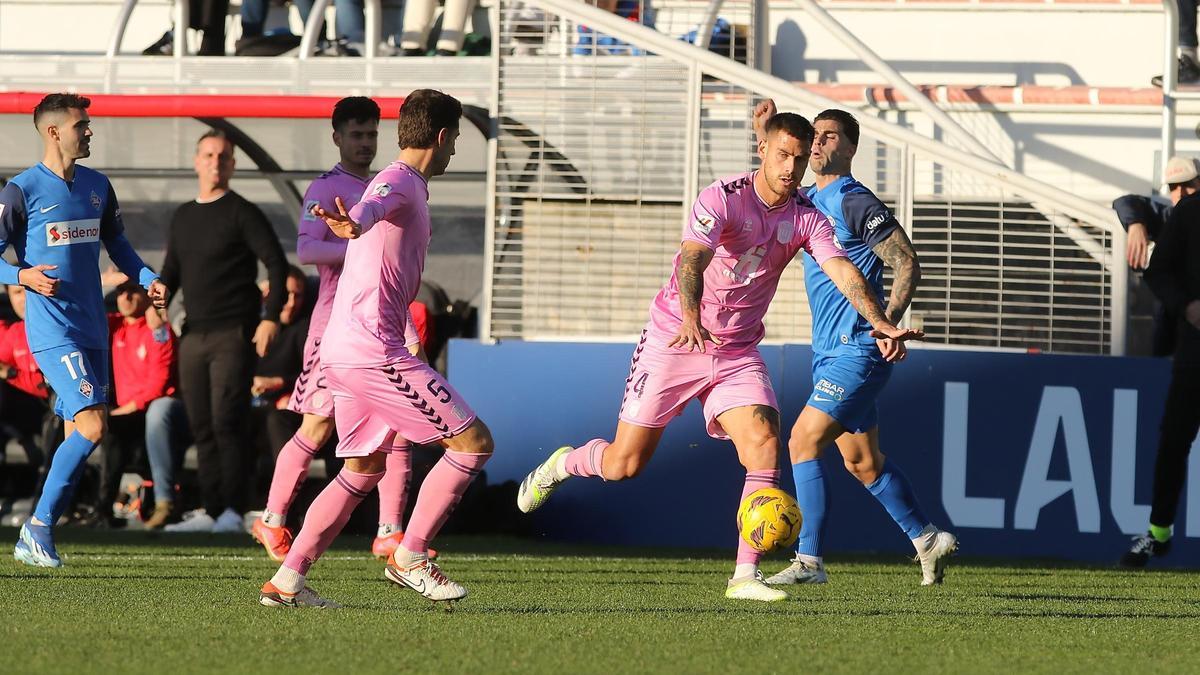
[[587, 41], [1174, 276], [275, 374], [350, 23], [24, 396], [1189, 60], [213, 249], [147, 414], [418, 24], [203, 15], [1144, 219]]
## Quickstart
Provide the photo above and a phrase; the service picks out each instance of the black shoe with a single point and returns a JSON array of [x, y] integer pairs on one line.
[[1144, 548], [413, 51], [446, 52], [1188, 74], [164, 47]]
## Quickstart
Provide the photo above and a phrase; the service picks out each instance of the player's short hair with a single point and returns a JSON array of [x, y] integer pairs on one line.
[[844, 119], [792, 124], [354, 109], [53, 103], [214, 133], [424, 113]]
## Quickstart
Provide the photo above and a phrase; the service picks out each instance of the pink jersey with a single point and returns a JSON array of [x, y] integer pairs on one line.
[[317, 244], [752, 245], [369, 325]]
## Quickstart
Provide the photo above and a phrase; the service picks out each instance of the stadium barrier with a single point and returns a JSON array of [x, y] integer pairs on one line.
[[1021, 455]]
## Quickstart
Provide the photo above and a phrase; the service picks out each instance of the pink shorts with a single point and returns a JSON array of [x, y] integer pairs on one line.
[[662, 381], [311, 396], [406, 397]]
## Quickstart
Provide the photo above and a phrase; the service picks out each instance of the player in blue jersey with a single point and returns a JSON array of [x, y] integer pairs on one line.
[[850, 367], [56, 215]]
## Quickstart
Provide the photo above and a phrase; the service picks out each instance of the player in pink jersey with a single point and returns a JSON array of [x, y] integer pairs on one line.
[[382, 391], [742, 233], [356, 134]]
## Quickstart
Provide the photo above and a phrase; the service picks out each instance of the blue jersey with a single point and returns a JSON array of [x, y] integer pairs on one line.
[[49, 221], [860, 221]]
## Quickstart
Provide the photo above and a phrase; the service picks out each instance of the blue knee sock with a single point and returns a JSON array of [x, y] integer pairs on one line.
[[64, 474], [813, 499], [893, 491]]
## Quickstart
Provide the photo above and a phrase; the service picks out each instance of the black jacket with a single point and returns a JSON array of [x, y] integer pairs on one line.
[[1174, 274]]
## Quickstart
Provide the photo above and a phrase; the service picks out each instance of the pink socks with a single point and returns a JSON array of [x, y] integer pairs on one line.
[[393, 489], [588, 459], [327, 516], [440, 492], [291, 466], [755, 480]]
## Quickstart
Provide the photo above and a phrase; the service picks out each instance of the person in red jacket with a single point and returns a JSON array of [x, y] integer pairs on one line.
[[146, 412], [24, 396]]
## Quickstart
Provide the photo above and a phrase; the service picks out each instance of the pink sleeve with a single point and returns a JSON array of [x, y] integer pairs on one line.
[[380, 199], [707, 221], [820, 243], [411, 336], [312, 246]]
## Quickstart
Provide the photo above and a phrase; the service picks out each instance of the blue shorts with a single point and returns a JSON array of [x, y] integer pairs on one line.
[[845, 388], [79, 377]]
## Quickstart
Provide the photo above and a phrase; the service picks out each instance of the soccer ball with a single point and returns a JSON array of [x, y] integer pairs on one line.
[[769, 519]]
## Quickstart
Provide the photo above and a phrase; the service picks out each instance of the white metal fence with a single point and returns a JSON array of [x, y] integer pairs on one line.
[[600, 152]]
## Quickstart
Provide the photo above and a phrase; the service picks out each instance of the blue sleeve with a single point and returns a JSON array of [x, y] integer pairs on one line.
[[112, 233], [1139, 209], [867, 217], [13, 221]]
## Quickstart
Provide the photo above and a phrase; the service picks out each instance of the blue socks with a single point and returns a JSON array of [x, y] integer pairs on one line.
[[893, 491], [813, 499], [64, 474]]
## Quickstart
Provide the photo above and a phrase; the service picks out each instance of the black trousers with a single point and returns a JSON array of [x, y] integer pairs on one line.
[[216, 369], [209, 16], [1180, 422], [1187, 23]]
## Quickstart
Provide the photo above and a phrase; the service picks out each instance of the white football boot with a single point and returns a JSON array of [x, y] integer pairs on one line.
[[426, 578], [801, 571], [934, 548], [541, 482], [753, 588]]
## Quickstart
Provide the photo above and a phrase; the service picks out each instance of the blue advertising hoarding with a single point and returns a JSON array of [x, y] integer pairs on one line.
[[1021, 455]]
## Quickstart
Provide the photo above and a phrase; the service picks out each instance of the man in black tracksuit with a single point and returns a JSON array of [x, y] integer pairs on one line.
[[1174, 276], [213, 249]]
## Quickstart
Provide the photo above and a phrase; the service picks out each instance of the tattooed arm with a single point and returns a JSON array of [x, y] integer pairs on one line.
[[897, 251], [693, 260], [854, 286]]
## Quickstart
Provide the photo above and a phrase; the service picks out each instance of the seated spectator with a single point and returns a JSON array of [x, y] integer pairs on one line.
[[418, 24], [24, 396], [350, 23], [147, 413], [1188, 72], [588, 43], [203, 15], [275, 374], [1144, 219]]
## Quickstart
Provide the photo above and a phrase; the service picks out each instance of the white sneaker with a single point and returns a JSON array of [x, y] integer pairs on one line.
[[271, 596], [753, 588], [229, 521], [424, 577], [541, 482], [800, 572], [193, 521], [934, 548]]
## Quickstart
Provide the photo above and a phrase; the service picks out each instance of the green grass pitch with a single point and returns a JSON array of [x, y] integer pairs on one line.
[[132, 602]]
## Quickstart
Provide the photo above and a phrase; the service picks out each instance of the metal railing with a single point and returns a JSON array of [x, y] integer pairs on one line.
[[587, 217]]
